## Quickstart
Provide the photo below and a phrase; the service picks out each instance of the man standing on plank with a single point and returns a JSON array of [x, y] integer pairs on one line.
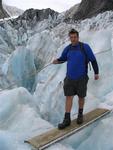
[[77, 55]]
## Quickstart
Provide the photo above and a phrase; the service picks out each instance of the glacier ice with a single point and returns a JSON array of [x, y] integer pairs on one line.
[[101, 135], [41, 48], [20, 68], [24, 50], [18, 113]]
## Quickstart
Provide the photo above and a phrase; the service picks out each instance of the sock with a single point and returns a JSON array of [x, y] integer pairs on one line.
[[67, 114], [80, 111]]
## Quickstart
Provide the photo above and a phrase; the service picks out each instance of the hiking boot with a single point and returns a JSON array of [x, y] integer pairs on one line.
[[80, 119], [66, 122]]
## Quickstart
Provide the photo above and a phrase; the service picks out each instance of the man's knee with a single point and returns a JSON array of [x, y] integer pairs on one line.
[[81, 98]]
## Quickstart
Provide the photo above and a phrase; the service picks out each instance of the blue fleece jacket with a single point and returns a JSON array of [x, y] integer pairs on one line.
[[76, 66]]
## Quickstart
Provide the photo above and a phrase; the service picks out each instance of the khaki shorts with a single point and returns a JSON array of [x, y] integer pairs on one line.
[[75, 87]]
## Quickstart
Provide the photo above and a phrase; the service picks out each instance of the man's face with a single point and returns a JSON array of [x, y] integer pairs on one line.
[[74, 38]]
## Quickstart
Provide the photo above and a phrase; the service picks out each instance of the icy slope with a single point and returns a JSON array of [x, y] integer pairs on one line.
[[18, 113], [12, 10]]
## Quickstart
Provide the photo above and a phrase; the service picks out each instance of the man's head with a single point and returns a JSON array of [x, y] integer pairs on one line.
[[74, 36]]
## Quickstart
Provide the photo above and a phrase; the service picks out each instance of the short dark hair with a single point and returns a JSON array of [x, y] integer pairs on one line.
[[73, 31]]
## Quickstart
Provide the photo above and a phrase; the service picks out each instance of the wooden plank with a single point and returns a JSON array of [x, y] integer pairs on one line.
[[50, 137]]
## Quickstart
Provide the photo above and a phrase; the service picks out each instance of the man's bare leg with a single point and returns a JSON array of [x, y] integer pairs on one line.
[[81, 102], [67, 119], [69, 103]]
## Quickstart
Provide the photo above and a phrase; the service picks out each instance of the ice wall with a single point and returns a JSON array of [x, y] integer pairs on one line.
[[20, 68]]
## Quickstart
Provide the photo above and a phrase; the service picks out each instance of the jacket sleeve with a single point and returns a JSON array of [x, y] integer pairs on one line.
[[63, 57], [92, 58]]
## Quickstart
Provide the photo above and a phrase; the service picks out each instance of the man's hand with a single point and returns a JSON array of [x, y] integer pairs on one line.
[[96, 76], [55, 61]]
